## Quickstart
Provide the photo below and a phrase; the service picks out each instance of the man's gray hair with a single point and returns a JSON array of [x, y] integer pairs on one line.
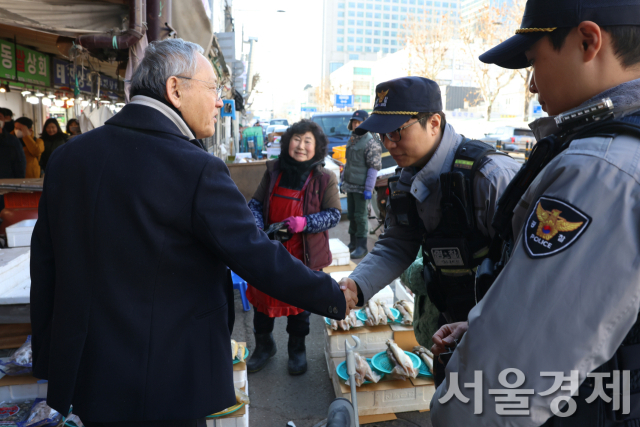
[[163, 59]]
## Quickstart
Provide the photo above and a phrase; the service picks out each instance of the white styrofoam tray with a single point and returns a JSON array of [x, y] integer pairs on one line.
[[339, 252], [19, 234], [15, 277], [242, 421], [239, 378], [371, 342]]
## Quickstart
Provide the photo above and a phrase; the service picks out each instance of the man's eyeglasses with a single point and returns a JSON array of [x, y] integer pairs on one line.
[[395, 135], [218, 90]]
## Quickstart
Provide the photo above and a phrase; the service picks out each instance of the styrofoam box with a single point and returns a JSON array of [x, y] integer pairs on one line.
[[22, 392], [371, 342], [242, 421], [19, 234], [385, 295], [401, 292], [14, 268], [339, 252], [240, 378]]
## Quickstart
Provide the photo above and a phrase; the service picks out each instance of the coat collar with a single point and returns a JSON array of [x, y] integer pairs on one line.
[[143, 117]]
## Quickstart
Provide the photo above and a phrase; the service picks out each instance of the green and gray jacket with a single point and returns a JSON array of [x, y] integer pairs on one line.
[[363, 153]]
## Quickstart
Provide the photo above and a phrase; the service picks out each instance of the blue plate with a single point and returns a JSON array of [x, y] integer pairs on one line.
[[342, 371], [246, 354], [424, 370], [382, 363], [227, 411], [362, 314]]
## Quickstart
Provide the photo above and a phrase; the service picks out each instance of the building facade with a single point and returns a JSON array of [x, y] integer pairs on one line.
[[368, 29]]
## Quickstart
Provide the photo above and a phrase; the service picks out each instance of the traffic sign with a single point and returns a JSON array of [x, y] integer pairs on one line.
[[344, 101]]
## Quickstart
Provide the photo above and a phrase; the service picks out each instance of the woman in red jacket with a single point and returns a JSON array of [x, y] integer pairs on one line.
[[298, 191]]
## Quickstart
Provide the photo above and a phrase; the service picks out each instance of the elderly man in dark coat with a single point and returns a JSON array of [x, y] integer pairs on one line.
[[131, 299]]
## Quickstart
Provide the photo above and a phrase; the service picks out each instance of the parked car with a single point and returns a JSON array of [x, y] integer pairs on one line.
[[510, 138], [279, 122], [334, 126], [275, 131]]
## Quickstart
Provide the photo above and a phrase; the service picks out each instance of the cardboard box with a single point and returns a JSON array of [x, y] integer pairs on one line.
[[336, 268], [404, 336], [372, 339]]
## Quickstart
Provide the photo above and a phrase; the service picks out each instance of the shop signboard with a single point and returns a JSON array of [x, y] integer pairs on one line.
[[32, 67], [63, 77], [7, 60]]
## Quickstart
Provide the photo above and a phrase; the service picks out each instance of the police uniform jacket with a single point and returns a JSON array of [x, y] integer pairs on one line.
[[570, 293], [398, 246], [131, 298]]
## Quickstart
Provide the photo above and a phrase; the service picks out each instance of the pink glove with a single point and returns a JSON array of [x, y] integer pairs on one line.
[[295, 224]]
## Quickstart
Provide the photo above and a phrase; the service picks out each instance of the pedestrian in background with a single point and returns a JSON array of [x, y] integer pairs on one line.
[[32, 147], [7, 126], [297, 190], [7, 115], [53, 138], [11, 165], [73, 128], [359, 178]]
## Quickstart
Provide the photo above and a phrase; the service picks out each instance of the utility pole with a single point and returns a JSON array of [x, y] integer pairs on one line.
[[250, 66]]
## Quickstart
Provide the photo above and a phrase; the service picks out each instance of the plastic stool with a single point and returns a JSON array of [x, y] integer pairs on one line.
[[241, 285]]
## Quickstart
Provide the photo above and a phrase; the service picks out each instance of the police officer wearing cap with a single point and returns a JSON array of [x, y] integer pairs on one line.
[[443, 198], [563, 310], [358, 180]]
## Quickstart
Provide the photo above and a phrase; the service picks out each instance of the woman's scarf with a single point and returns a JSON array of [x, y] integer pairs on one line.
[[294, 173]]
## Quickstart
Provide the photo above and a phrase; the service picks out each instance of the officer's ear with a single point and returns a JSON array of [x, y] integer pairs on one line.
[[434, 124], [590, 37]]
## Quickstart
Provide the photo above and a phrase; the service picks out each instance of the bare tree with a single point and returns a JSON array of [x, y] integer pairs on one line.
[[491, 26], [525, 73], [427, 46], [323, 96]]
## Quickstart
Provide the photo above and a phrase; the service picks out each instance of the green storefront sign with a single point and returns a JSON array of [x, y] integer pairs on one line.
[[7, 60], [32, 67]]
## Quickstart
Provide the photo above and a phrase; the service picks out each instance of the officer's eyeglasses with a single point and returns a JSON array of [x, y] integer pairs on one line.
[[395, 135], [218, 90]]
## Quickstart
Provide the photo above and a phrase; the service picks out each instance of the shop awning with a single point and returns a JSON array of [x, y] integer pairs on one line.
[[189, 19]]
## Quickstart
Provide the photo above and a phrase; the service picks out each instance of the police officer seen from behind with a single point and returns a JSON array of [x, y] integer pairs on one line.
[[443, 199], [566, 302], [359, 178]]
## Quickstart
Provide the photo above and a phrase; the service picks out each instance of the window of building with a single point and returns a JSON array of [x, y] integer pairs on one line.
[[340, 14], [340, 24], [351, 31], [387, 8], [394, 34], [352, 4], [358, 39], [420, 2], [453, 6], [368, 32], [378, 16], [340, 5], [437, 4], [350, 48], [394, 42], [352, 13], [376, 41], [453, 14], [394, 17], [376, 24], [376, 49], [387, 16], [360, 22], [378, 7], [369, 23], [385, 33], [367, 48], [362, 85], [340, 30], [403, 1], [360, 71], [401, 34], [395, 1], [429, 3], [360, 31], [340, 48], [360, 14], [394, 25], [420, 11], [428, 11], [445, 4], [412, 10], [359, 48], [364, 99], [403, 18], [351, 22], [385, 50], [385, 25], [403, 9], [335, 65], [395, 8], [340, 39], [360, 5], [376, 33], [412, 1], [369, 7], [350, 39], [354, 57], [393, 50], [385, 41], [367, 40], [369, 15]]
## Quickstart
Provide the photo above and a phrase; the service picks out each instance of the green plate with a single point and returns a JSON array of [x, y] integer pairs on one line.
[[362, 314], [341, 370], [246, 354], [382, 363], [227, 411]]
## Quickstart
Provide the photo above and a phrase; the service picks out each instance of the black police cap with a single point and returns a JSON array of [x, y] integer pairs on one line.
[[544, 16], [399, 99]]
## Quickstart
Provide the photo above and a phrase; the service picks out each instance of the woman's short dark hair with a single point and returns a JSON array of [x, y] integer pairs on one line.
[[25, 121], [47, 123], [69, 124], [300, 128]]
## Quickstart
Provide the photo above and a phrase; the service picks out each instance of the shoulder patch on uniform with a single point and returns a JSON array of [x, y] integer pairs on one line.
[[552, 227]]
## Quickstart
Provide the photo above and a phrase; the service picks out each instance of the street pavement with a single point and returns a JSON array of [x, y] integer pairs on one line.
[[277, 397]]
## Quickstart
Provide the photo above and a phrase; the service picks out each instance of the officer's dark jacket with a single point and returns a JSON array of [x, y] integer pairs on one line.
[[131, 305]]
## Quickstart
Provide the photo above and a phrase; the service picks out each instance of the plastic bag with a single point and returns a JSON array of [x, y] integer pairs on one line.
[[41, 415], [21, 362], [11, 414]]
